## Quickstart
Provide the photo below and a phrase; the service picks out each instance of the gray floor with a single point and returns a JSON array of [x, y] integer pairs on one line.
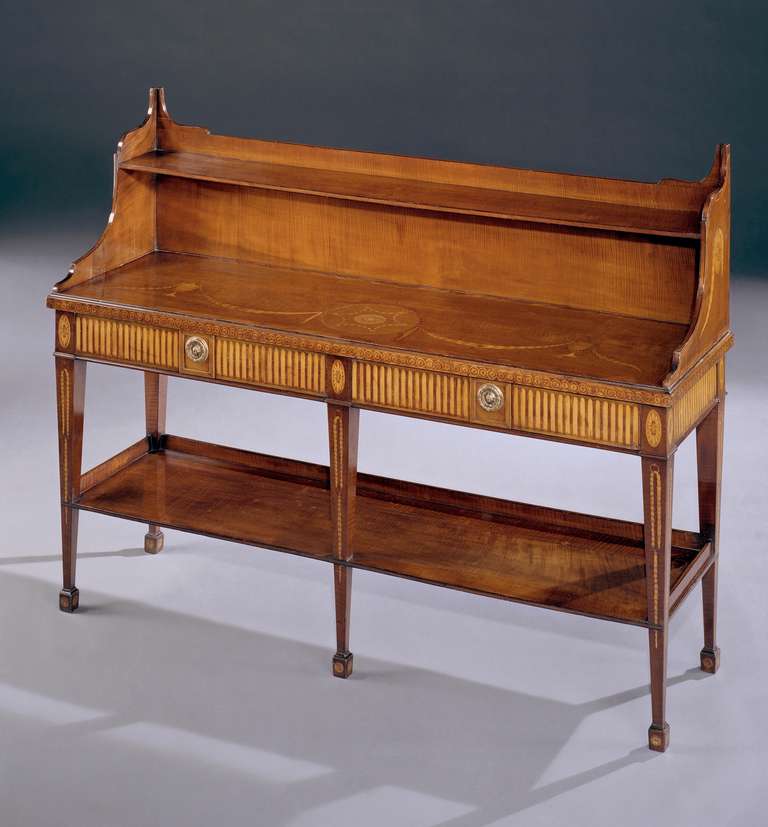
[[193, 687]]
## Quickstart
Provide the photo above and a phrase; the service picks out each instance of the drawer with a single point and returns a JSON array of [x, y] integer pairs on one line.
[[411, 389], [573, 416], [253, 363], [117, 341]]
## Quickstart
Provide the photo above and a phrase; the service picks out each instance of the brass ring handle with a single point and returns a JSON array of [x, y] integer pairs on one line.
[[196, 349], [490, 397]]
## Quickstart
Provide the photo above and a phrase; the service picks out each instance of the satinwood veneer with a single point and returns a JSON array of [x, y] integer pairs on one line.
[[582, 310]]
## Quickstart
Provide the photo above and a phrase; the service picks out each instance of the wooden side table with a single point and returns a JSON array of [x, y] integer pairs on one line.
[[581, 310]]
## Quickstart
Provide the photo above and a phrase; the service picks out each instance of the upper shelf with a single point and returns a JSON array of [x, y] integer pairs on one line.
[[422, 195]]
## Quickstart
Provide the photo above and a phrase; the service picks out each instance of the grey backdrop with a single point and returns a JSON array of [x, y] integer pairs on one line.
[[194, 688], [629, 89]]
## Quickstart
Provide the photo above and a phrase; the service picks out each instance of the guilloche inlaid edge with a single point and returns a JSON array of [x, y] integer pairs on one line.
[[433, 327], [650, 395], [575, 383]]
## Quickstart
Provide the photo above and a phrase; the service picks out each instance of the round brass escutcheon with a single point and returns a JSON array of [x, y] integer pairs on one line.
[[196, 349], [490, 397]]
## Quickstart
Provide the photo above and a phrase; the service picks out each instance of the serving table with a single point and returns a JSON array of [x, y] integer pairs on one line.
[[575, 309]]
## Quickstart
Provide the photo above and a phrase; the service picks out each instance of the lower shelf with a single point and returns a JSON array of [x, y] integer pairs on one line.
[[571, 562]]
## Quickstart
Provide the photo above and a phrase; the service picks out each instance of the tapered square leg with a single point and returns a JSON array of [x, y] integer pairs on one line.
[[69, 596], [70, 391], [657, 500], [709, 455], [155, 408], [342, 586], [343, 428]]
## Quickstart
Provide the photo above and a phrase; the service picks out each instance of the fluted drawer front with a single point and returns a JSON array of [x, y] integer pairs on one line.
[[127, 342], [279, 367], [563, 415], [408, 389], [570, 416]]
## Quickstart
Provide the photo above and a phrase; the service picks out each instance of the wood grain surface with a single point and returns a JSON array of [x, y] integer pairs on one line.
[[565, 307], [588, 572], [440, 322], [424, 195]]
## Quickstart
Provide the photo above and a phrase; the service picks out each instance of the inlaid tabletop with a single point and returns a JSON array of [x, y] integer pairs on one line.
[[432, 321]]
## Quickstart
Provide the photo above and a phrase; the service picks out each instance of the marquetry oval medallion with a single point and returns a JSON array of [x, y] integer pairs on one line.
[[370, 319], [338, 379], [653, 428], [65, 331]]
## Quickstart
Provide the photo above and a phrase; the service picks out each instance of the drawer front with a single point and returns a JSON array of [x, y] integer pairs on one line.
[[571, 416], [409, 389], [499, 405], [127, 342], [252, 363]]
